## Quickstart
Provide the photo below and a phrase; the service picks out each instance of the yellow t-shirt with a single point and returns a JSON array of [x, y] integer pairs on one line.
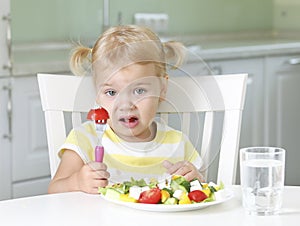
[[133, 159]]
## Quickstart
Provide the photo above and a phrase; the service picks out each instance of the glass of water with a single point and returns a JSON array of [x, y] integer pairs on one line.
[[262, 179]]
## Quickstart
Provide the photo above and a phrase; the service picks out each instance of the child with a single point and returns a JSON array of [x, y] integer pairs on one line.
[[128, 64]]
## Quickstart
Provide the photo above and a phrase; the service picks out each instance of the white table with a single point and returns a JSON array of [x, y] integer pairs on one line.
[[82, 209]]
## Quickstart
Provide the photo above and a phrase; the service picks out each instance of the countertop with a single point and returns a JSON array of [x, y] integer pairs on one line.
[[53, 57], [245, 45], [245, 49]]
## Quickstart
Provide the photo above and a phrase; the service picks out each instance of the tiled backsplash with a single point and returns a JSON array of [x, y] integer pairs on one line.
[[55, 20], [73, 20], [286, 15]]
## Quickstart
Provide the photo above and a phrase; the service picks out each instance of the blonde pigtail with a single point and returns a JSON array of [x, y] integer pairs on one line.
[[175, 53], [80, 61]]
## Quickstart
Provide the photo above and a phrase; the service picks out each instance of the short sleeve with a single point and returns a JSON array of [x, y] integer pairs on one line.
[[82, 141]]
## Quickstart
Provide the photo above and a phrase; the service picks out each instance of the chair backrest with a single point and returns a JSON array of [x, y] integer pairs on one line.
[[185, 96]]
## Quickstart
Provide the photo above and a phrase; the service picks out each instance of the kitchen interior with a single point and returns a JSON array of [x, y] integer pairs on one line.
[[261, 38]]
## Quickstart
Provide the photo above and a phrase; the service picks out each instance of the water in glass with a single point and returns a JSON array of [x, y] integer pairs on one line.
[[262, 184]]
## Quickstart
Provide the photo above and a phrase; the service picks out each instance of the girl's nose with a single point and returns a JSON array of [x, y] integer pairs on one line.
[[124, 102]]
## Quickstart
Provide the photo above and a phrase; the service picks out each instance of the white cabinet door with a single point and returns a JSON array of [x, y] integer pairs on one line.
[[251, 131], [283, 110], [253, 117], [5, 145], [29, 147]]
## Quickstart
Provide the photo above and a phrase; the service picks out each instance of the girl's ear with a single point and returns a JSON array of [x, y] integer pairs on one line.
[[164, 88]]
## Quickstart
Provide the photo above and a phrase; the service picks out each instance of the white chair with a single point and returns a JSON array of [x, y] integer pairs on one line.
[[186, 95]]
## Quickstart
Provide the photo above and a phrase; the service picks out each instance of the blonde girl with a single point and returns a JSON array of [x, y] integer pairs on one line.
[[129, 66]]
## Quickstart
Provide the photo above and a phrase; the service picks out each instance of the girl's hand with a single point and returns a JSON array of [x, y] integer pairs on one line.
[[183, 168], [91, 176]]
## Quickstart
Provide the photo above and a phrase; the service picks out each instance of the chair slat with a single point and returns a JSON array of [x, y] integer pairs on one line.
[[164, 117], [76, 119], [206, 140], [229, 146], [186, 120], [56, 135]]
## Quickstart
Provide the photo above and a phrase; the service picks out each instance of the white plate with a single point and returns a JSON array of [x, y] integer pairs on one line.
[[227, 195]]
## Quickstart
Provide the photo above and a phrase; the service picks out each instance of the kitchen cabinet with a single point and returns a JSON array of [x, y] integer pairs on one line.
[[282, 110], [253, 117], [30, 163], [5, 144], [272, 107], [24, 163], [24, 168], [251, 132]]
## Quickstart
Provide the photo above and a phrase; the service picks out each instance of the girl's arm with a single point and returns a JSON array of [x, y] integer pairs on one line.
[[73, 175]]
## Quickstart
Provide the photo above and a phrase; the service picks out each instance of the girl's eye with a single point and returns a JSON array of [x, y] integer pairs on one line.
[[110, 93], [139, 91]]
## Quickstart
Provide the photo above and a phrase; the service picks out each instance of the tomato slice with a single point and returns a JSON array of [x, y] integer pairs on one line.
[[197, 196], [151, 196]]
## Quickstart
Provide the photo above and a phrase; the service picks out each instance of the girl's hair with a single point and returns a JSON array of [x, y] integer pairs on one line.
[[121, 46]]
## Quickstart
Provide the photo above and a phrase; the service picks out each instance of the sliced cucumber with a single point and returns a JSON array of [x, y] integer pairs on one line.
[[112, 194], [171, 201], [175, 186]]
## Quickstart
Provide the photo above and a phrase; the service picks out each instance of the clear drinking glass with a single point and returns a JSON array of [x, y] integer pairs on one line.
[[262, 179]]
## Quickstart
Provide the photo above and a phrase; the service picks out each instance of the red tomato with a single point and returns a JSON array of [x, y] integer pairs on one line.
[[197, 196], [151, 196]]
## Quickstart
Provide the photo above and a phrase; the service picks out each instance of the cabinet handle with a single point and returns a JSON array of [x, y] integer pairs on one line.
[[8, 66], [9, 111], [294, 61]]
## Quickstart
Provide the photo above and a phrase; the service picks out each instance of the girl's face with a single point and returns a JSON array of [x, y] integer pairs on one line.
[[131, 96]]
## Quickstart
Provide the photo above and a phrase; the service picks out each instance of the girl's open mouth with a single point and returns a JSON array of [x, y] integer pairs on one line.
[[129, 122]]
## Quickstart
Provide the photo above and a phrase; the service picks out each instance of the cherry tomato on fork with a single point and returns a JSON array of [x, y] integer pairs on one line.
[[99, 115], [151, 196]]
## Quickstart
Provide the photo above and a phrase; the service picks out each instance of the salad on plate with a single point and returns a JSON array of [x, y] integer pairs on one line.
[[174, 191]]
